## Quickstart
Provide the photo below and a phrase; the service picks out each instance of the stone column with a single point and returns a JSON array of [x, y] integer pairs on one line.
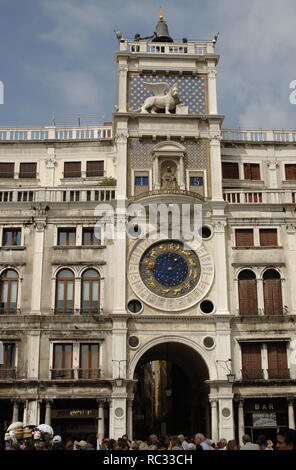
[[214, 420], [216, 169], [241, 421], [48, 405], [122, 85], [291, 415], [15, 413], [208, 419], [118, 412], [50, 163], [101, 420], [25, 413], [290, 250], [39, 225], [220, 266], [129, 423], [212, 91]]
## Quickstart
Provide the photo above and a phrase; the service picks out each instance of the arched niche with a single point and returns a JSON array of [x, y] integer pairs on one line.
[[168, 154]]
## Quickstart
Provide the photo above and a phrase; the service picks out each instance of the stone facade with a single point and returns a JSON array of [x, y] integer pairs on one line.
[[204, 328]]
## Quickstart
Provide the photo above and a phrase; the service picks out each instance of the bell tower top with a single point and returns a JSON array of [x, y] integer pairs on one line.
[[162, 32]]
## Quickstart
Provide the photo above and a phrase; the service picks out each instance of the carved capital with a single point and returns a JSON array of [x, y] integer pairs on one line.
[[272, 165], [123, 68], [50, 162], [219, 226], [121, 137], [291, 229], [212, 73], [39, 224]]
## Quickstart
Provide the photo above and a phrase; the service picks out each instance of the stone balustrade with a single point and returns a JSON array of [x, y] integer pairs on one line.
[[56, 133], [259, 135]]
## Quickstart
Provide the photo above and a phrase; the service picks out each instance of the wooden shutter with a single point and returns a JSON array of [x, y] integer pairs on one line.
[[28, 170], [290, 171], [268, 237], [72, 169], [247, 290], [230, 170], [255, 171], [244, 237], [272, 290], [251, 360], [252, 171], [95, 168], [277, 360], [6, 170]]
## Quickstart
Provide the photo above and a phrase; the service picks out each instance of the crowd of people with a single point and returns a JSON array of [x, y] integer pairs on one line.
[[19, 437]]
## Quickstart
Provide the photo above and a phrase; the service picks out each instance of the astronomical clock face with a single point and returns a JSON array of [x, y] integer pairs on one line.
[[165, 276], [168, 270]]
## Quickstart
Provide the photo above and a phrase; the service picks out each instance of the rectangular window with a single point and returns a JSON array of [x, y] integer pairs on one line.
[[66, 236], [251, 361], [28, 170], [6, 170], [89, 361], [89, 236], [290, 171], [268, 236], [141, 180], [7, 369], [196, 181], [244, 237], [62, 361], [72, 169], [252, 171], [95, 168], [11, 237], [230, 170], [277, 361]]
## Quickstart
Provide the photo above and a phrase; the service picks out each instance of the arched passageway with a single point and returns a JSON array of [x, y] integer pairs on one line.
[[171, 395]]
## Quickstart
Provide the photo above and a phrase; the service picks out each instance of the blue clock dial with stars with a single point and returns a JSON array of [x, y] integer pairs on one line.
[[168, 270]]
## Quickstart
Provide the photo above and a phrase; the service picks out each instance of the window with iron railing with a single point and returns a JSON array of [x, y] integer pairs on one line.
[[62, 362], [7, 369], [65, 284], [251, 361], [277, 361], [89, 361], [8, 292], [90, 292]]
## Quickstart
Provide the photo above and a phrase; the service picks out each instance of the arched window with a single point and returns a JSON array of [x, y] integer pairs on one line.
[[65, 292], [272, 290], [8, 292], [90, 292], [247, 292]]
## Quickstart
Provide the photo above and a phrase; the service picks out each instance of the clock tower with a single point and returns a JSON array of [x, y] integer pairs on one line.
[[167, 131]]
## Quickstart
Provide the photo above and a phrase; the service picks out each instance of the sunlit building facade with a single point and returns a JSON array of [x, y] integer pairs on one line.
[[131, 333]]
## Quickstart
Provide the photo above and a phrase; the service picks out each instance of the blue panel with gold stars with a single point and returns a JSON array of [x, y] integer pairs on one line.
[[168, 270], [191, 90]]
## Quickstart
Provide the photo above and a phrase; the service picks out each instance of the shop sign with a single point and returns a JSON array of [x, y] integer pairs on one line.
[[264, 420], [68, 414]]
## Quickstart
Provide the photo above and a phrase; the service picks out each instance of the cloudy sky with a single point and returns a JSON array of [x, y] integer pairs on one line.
[[57, 56]]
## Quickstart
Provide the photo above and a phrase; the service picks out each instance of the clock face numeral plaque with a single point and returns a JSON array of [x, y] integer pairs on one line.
[[168, 270]]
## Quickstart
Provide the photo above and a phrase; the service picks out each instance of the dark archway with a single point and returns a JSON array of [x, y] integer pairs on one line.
[[171, 396]]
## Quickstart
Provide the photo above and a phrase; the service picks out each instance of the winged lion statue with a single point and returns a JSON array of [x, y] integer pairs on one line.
[[161, 99]]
